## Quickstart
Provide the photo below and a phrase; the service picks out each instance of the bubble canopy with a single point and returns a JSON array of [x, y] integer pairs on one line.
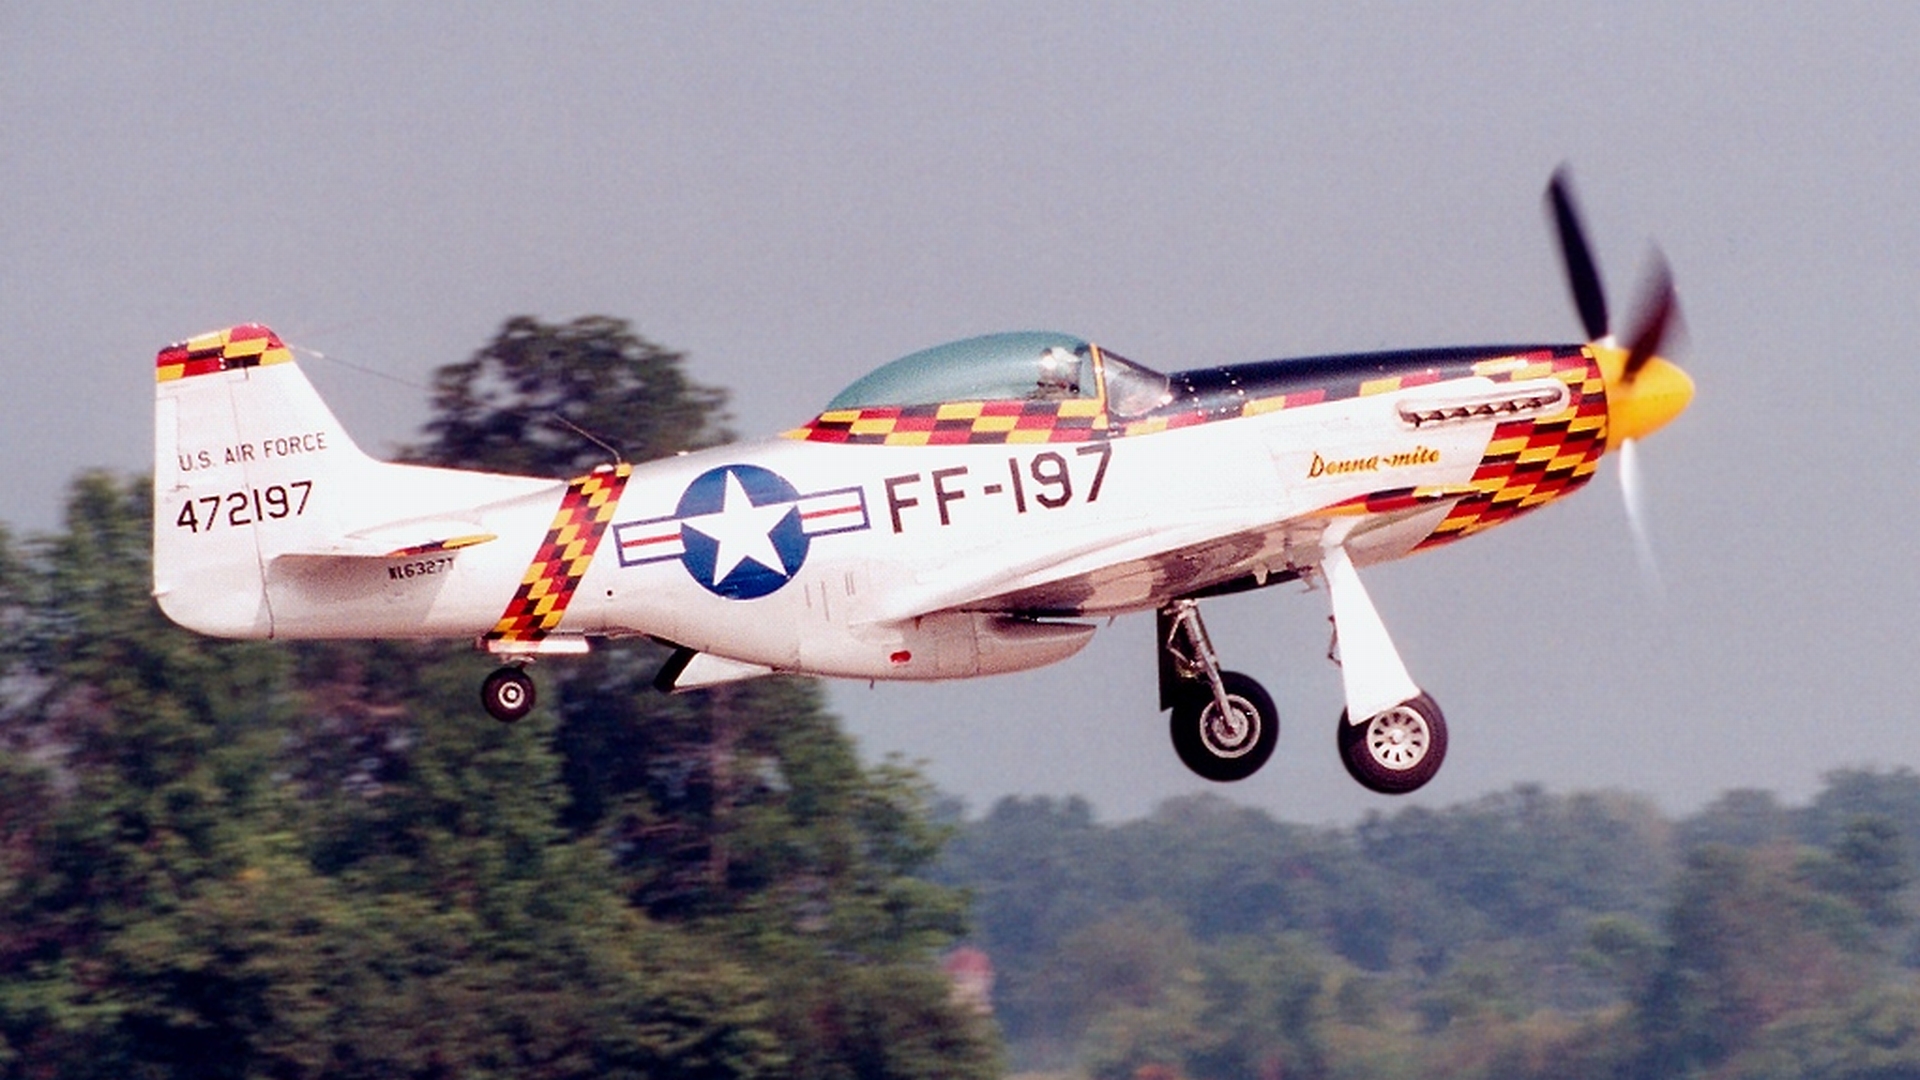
[[1028, 365]]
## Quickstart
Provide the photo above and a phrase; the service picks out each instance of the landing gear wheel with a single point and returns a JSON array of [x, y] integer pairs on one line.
[[507, 694], [1397, 751], [1225, 747]]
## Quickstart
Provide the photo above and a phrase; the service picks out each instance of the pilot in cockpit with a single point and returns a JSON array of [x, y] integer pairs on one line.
[[1059, 375]]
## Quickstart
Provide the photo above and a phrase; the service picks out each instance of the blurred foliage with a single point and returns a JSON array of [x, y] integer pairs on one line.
[[1522, 934], [258, 859], [556, 399]]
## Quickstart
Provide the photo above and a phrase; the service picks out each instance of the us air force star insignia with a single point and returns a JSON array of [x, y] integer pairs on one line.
[[741, 531]]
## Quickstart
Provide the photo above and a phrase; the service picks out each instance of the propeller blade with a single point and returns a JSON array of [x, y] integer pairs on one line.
[[1632, 493], [1657, 308], [1583, 277]]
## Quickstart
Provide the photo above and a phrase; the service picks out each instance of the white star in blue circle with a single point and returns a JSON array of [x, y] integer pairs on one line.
[[741, 530]]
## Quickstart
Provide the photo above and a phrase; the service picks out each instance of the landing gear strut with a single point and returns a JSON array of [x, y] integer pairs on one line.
[[1224, 725], [508, 693], [1399, 739]]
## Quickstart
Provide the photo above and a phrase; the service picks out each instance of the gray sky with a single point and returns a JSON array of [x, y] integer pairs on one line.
[[796, 193]]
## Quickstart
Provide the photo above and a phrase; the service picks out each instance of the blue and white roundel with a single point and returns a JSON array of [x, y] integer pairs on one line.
[[741, 528], [741, 531]]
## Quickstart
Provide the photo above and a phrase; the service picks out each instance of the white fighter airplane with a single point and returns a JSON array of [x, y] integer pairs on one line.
[[956, 512]]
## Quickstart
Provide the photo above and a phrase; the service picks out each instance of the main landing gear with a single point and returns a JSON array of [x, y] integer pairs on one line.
[[1224, 724]]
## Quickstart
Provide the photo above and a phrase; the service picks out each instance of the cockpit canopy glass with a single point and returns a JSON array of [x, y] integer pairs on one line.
[[1133, 390], [1028, 366], [996, 367]]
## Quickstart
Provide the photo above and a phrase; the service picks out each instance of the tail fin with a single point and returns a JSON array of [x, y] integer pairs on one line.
[[248, 462], [269, 522]]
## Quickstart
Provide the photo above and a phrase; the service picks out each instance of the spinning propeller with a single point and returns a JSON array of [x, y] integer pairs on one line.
[[1644, 390]]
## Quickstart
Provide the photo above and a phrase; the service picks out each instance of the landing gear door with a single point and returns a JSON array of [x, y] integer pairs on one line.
[[1371, 671]]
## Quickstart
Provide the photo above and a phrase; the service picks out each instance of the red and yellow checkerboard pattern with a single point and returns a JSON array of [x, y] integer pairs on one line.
[[541, 601], [1529, 463], [242, 346], [960, 423]]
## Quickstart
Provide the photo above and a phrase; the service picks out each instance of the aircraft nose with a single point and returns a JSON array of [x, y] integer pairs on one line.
[[1641, 405]]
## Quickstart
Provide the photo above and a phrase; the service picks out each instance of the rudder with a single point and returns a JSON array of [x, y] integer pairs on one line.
[[246, 457]]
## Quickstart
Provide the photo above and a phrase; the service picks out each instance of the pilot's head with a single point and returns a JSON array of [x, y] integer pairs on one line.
[[1059, 374]]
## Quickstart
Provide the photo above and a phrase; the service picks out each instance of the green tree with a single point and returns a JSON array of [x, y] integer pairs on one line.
[[1867, 867], [162, 913], [1851, 794], [1747, 947], [1131, 959], [1744, 817], [1875, 1036], [15, 603], [1529, 863], [1266, 1003], [1247, 1009], [535, 399], [164, 747], [1031, 867], [1625, 951]]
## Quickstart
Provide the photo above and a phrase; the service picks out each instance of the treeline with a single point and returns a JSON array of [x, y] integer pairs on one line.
[[1520, 935], [228, 859]]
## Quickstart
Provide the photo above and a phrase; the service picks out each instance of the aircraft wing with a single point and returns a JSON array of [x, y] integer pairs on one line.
[[1149, 564]]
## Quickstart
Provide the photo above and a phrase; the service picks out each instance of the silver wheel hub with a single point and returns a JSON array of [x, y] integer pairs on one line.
[[1232, 734], [1399, 738]]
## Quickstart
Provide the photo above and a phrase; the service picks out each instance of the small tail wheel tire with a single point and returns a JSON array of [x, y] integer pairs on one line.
[[508, 694], [1225, 747], [1396, 751]]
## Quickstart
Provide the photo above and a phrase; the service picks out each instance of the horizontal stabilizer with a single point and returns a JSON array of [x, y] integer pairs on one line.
[[452, 543], [395, 543]]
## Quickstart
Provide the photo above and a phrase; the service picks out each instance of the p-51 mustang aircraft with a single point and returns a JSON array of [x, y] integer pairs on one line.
[[957, 512]]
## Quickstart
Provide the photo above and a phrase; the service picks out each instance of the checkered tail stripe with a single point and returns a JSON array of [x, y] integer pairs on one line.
[[541, 601]]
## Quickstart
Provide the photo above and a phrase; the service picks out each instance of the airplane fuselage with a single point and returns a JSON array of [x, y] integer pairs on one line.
[[944, 542]]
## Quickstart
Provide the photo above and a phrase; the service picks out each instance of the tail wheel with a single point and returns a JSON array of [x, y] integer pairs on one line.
[[507, 694], [1397, 751], [1229, 746]]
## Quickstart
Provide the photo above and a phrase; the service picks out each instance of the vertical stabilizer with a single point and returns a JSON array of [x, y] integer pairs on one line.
[[248, 462]]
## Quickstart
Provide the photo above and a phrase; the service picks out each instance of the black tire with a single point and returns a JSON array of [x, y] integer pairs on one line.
[[507, 694], [1221, 752], [1397, 751]]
